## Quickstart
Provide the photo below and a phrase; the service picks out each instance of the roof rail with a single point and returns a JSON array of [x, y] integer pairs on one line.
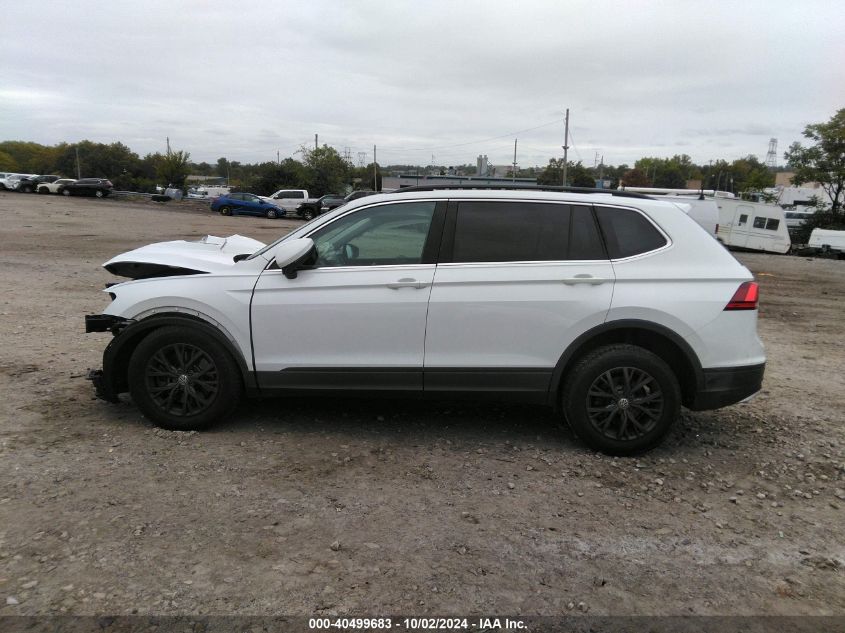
[[612, 192]]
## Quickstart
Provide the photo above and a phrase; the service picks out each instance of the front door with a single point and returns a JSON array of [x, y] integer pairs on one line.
[[356, 320]]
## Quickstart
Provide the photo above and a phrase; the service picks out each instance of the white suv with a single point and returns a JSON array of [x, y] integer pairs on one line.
[[613, 308]]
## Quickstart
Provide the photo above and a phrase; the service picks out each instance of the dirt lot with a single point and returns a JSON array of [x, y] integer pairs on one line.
[[395, 507]]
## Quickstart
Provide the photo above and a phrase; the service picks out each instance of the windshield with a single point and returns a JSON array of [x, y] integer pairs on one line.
[[302, 230]]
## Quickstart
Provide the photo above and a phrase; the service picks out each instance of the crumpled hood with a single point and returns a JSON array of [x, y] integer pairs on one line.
[[210, 254]]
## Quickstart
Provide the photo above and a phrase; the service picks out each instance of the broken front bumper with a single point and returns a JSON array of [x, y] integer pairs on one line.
[[102, 378]]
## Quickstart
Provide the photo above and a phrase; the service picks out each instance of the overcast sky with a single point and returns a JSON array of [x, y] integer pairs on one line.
[[245, 79]]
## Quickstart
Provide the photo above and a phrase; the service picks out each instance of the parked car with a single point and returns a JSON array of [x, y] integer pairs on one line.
[[53, 187], [246, 203], [99, 187], [312, 208], [287, 199], [612, 308], [30, 183], [359, 194], [10, 180]]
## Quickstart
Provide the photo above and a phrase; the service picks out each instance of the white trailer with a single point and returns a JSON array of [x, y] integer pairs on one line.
[[752, 226], [821, 238]]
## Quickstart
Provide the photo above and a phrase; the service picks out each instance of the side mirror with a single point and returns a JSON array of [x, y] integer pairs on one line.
[[292, 254]]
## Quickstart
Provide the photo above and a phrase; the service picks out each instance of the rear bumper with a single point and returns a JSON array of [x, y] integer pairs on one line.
[[728, 385]]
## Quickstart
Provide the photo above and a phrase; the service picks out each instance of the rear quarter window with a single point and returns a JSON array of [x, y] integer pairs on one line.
[[628, 232]]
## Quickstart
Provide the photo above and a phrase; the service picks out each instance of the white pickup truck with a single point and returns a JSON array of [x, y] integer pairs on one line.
[[287, 199]]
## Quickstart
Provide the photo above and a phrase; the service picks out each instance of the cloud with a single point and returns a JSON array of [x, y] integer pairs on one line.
[[249, 79]]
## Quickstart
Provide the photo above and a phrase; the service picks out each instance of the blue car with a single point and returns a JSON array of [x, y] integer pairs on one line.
[[246, 203]]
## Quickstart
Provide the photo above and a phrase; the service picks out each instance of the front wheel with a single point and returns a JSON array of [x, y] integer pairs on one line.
[[183, 380], [65, 192], [272, 214], [308, 215], [43, 190], [621, 399], [225, 210], [99, 193]]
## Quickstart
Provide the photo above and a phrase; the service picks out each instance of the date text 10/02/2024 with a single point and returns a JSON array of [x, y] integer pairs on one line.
[[418, 624]]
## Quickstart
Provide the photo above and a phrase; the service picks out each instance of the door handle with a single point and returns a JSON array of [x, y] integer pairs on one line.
[[406, 282], [584, 278]]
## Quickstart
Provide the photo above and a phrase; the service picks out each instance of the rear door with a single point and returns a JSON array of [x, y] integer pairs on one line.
[[516, 283]]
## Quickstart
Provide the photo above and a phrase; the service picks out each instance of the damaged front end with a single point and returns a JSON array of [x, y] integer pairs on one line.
[[104, 386]]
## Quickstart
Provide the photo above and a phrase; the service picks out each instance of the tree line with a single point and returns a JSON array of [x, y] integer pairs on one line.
[[323, 170]]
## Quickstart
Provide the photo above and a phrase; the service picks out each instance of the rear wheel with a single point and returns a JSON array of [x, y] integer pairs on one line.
[[225, 210], [43, 190], [621, 399], [183, 380], [26, 189]]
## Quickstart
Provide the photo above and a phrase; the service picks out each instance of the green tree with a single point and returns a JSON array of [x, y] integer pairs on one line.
[[7, 162], [635, 178], [172, 167], [823, 162], [580, 176], [552, 174], [328, 172], [364, 178]]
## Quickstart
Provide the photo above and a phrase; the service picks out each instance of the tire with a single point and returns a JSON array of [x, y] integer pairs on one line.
[[621, 399], [43, 190], [65, 192], [225, 210], [99, 193], [193, 395], [26, 189], [308, 215], [272, 214]]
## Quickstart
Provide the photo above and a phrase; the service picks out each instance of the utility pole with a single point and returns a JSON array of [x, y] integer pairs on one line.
[[513, 173], [601, 170], [375, 170], [168, 146], [315, 141], [565, 146], [278, 157], [78, 172]]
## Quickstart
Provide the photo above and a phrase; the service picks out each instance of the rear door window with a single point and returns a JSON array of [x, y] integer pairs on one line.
[[628, 232], [760, 223], [524, 231]]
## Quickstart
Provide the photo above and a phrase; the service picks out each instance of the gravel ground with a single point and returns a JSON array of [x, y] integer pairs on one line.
[[317, 507]]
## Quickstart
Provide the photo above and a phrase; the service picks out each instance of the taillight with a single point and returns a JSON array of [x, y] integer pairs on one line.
[[745, 298]]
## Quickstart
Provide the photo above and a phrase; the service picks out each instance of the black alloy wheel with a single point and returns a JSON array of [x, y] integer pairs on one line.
[[624, 403], [184, 379], [621, 399]]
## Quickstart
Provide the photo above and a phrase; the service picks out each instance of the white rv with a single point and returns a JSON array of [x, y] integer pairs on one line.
[[753, 226]]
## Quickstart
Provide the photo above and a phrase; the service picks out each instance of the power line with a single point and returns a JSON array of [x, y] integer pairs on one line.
[[484, 140]]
